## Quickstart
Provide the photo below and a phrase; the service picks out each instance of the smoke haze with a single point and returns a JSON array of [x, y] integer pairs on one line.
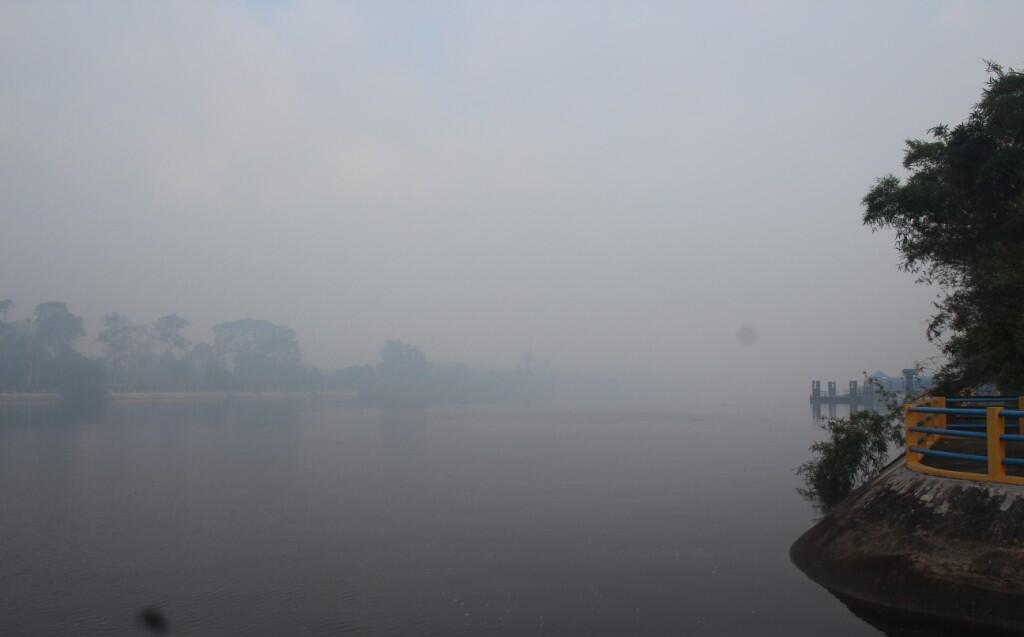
[[662, 194]]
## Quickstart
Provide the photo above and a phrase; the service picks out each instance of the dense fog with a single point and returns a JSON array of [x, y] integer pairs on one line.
[[658, 203]]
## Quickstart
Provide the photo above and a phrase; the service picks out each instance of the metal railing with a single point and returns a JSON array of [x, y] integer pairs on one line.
[[954, 424]]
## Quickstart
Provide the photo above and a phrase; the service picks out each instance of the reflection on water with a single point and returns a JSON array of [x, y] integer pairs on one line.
[[820, 412], [285, 517], [902, 624]]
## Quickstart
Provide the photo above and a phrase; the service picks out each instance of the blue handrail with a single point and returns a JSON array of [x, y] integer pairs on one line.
[[997, 420], [982, 426], [950, 454], [951, 432], [964, 411]]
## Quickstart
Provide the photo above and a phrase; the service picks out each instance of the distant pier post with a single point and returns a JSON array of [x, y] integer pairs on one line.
[[909, 386]]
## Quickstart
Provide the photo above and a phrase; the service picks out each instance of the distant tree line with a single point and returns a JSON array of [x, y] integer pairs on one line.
[[246, 355], [38, 354]]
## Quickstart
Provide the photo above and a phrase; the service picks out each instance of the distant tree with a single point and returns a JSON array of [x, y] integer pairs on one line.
[[7, 331], [118, 337], [205, 370], [22, 356], [79, 382], [358, 378], [404, 375], [10, 349], [399, 360], [202, 356], [260, 354], [38, 355], [54, 327], [168, 334], [959, 223], [251, 336]]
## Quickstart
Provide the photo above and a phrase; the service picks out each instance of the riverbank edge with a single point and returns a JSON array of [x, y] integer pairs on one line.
[[148, 397], [939, 547]]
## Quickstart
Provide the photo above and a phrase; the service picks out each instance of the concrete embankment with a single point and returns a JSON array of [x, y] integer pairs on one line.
[[942, 548]]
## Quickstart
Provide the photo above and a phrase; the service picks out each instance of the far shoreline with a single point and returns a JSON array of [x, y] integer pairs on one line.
[[164, 396]]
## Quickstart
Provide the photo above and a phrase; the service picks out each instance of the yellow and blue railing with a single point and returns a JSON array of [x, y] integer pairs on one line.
[[946, 436]]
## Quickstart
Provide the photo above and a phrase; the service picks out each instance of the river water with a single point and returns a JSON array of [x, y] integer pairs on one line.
[[288, 517]]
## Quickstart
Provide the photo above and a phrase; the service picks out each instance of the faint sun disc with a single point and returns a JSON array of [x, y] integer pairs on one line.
[[746, 335]]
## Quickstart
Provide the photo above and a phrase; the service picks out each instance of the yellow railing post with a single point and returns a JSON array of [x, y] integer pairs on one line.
[[910, 437], [996, 446], [941, 420]]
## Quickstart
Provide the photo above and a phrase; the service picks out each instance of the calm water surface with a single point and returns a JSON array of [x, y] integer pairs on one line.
[[291, 518]]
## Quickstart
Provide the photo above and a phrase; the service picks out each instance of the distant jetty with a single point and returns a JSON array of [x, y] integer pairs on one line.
[[871, 395]]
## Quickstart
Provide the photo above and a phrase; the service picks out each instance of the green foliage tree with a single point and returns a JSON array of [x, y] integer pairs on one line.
[[856, 450], [959, 223]]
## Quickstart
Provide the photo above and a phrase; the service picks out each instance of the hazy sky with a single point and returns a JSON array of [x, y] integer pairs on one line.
[[617, 186]]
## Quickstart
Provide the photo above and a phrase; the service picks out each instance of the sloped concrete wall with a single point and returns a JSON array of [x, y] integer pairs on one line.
[[945, 548]]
